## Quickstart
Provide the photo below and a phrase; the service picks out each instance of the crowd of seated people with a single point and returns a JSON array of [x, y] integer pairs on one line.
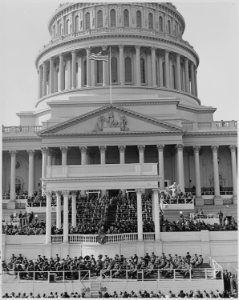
[[103, 265], [40, 200], [124, 294], [28, 224]]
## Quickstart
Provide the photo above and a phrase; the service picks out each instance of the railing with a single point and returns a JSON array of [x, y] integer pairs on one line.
[[110, 275], [57, 238], [148, 236], [21, 129], [214, 125], [179, 201], [93, 238]]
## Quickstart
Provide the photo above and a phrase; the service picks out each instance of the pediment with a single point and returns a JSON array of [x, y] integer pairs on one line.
[[110, 119]]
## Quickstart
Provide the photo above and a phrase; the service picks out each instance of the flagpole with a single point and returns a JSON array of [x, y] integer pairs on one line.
[[110, 79]]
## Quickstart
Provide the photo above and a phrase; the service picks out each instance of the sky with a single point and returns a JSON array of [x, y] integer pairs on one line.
[[211, 28]]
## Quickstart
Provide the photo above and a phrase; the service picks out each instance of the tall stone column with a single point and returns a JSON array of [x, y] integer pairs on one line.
[[83, 151], [88, 68], [79, 74], [44, 80], [195, 80], [64, 156], [234, 173], [180, 167], [49, 157], [31, 173], [65, 217], [102, 154], [153, 61], [161, 165], [44, 161], [217, 197], [61, 72], [73, 69], [148, 70], [160, 71], [13, 176], [178, 72], [186, 75], [199, 199], [156, 214], [122, 154], [40, 78], [141, 153], [121, 64], [192, 79], [139, 215], [58, 209], [137, 66], [48, 217], [73, 209], [51, 76], [167, 77]]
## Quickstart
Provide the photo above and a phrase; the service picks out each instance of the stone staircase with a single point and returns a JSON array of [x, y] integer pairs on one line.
[[95, 288]]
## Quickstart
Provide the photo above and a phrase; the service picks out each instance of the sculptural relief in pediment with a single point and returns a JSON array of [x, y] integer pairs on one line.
[[112, 121]]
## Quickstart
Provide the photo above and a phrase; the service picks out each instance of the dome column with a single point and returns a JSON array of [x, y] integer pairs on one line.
[[178, 72], [192, 70], [73, 69], [44, 79], [234, 173], [51, 77], [102, 154], [121, 64], [167, 78], [88, 67], [63, 156], [83, 151], [186, 76], [153, 61], [122, 154], [61, 73], [141, 153], [137, 65], [40, 79], [160, 71]]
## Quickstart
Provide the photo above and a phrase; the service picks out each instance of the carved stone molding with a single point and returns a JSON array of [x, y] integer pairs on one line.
[[64, 149], [196, 148], [122, 148], [179, 146], [233, 147], [13, 152], [141, 147], [65, 193], [102, 148], [160, 147], [214, 148], [83, 148]]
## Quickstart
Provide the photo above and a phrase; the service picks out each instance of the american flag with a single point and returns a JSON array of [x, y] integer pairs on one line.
[[99, 56]]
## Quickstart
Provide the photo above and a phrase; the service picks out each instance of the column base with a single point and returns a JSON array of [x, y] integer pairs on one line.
[[218, 200], [140, 248], [234, 199], [199, 201], [11, 204]]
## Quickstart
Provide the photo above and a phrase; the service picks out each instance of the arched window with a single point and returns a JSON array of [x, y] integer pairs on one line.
[[169, 27], [114, 70], [76, 23], [67, 30], [126, 18], [128, 70], [160, 23], [138, 19], [99, 19], [150, 21], [142, 70], [87, 20], [99, 71], [112, 18]]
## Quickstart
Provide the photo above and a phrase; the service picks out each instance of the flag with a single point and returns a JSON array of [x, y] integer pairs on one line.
[[99, 56]]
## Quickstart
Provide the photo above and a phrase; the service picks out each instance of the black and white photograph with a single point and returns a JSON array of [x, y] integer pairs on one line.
[[119, 149]]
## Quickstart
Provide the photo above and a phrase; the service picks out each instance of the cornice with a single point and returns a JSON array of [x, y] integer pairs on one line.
[[210, 133], [101, 35], [198, 109], [21, 138]]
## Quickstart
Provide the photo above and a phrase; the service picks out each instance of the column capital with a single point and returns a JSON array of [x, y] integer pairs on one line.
[[73, 193], [58, 193], [141, 147], [233, 147], [214, 148], [179, 146], [102, 148], [44, 150], [196, 148], [160, 147], [31, 151], [65, 193], [13, 152], [64, 149], [156, 190], [47, 193], [83, 148], [122, 147], [73, 51], [139, 191]]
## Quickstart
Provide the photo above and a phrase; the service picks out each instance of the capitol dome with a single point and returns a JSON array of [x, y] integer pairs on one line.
[[149, 58]]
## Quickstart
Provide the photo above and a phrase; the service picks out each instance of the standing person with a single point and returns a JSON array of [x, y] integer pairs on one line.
[[220, 214]]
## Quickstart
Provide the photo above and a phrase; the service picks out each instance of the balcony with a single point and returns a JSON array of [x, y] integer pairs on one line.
[[210, 126], [9, 131]]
